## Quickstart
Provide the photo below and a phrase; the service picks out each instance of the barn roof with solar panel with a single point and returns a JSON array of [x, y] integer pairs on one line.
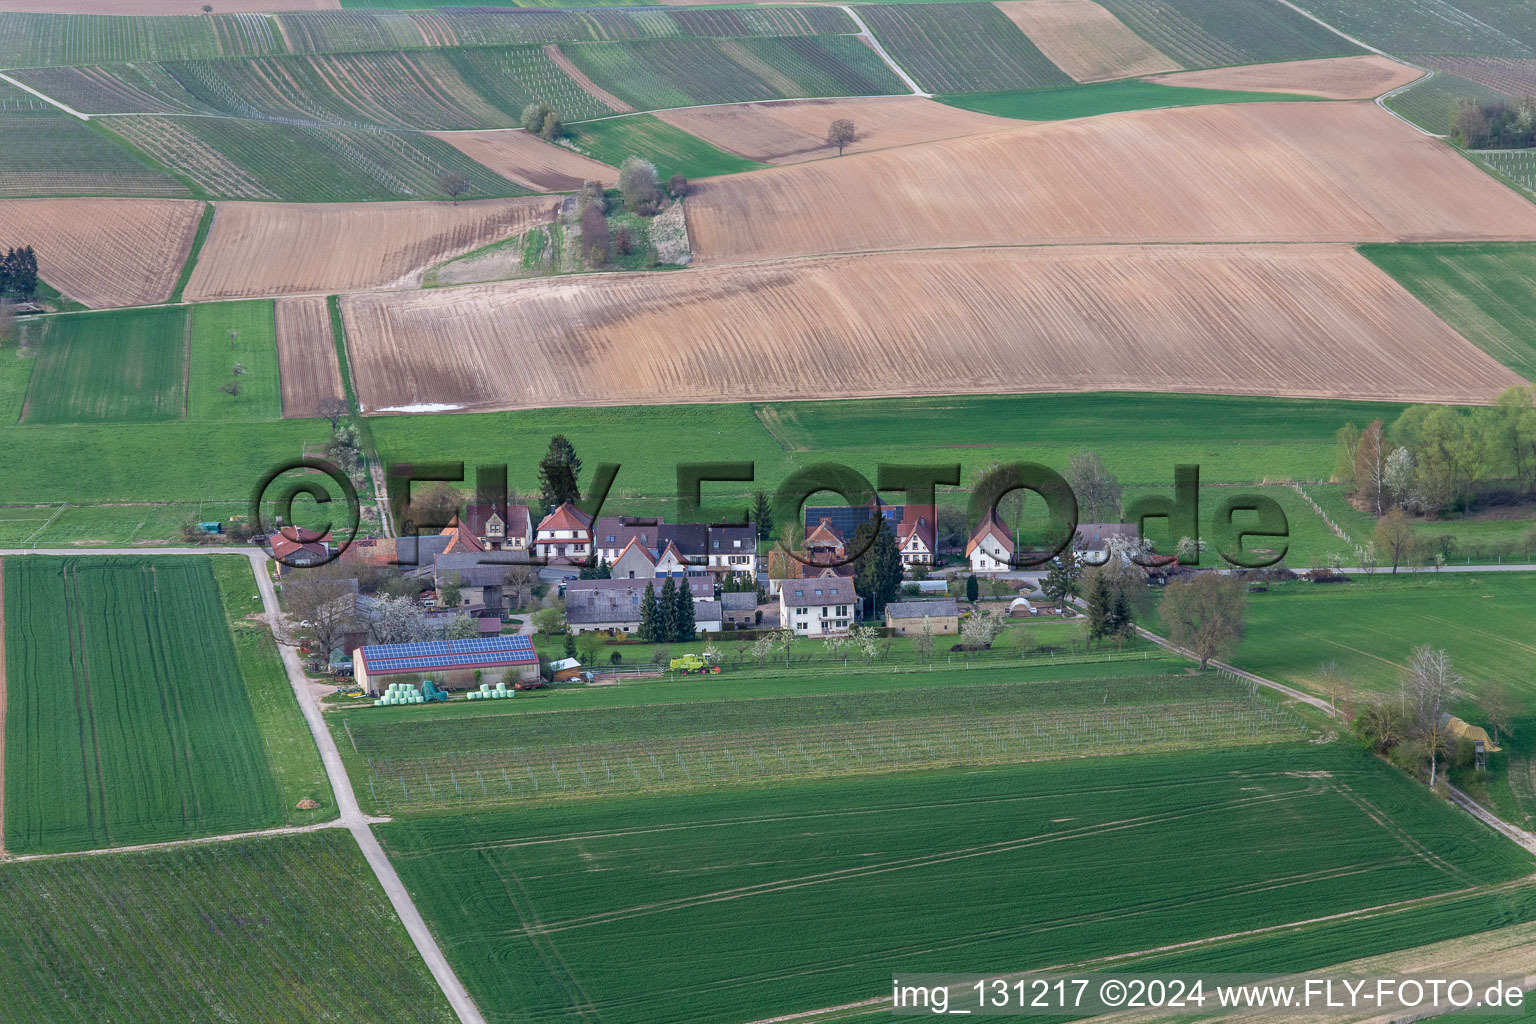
[[445, 658]]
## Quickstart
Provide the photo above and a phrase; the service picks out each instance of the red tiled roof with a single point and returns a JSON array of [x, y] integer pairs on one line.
[[566, 517], [994, 526]]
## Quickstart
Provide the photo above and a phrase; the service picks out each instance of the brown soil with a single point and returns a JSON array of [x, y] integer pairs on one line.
[[529, 160], [1335, 78], [105, 252], [1289, 320], [1085, 40], [306, 356], [259, 249], [1303, 172]]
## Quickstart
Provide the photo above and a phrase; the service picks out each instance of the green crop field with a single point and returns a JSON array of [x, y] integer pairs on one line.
[[1211, 33], [673, 151], [40, 40], [961, 47], [1431, 103], [1487, 291], [215, 353], [142, 88], [290, 929], [49, 153], [1484, 27], [1100, 98], [511, 77], [652, 74], [324, 31], [1367, 628], [124, 365], [547, 908], [242, 159], [523, 757], [127, 719], [290, 749]]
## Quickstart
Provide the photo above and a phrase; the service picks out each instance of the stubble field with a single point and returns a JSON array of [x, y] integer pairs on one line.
[[105, 252], [1258, 320], [1249, 172], [281, 249]]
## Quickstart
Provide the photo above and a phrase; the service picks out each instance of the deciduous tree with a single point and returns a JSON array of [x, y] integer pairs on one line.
[[1395, 539], [1098, 491], [1205, 614], [640, 186], [841, 133], [453, 185], [1371, 466]]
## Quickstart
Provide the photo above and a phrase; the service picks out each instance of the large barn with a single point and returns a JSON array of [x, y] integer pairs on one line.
[[450, 663]]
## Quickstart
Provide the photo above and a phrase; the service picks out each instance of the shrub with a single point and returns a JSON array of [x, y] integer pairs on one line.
[[595, 240], [640, 186], [677, 186], [625, 241], [542, 120]]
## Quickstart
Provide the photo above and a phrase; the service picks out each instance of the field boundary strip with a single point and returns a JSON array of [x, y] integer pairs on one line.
[[2, 707], [171, 844]]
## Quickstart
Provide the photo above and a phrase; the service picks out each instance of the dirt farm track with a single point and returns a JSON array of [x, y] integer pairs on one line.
[[1290, 320], [1298, 172]]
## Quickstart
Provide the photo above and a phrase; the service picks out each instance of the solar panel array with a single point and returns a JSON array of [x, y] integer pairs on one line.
[[440, 655]]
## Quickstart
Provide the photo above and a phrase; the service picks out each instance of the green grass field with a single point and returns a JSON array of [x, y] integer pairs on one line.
[[1369, 627], [543, 909], [290, 749], [214, 354], [125, 365], [961, 47], [1487, 291], [517, 757], [1139, 437], [127, 719], [673, 151], [1212, 33], [1100, 98], [290, 929], [45, 40]]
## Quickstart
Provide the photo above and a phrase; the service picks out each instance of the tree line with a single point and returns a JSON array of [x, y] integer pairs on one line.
[[667, 618], [18, 272], [1433, 459], [1499, 124]]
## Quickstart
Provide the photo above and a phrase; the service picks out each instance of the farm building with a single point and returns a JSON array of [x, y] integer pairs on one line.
[[1462, 730], [564, 669], [906, 618], [451, 663], [613, 606], [739, 608], [294, 547]]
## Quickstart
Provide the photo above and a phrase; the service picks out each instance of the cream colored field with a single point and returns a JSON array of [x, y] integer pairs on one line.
[[1304, 320], [1334, 78], [529, 160], [306, 356], [105, 252], [1245, 172], [790, 133], [258, 249], [163, 6], [1085, 40]]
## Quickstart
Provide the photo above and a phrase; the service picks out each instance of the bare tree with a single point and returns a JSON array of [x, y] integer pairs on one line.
[[1371, 465], [335, 410], [840, 133], [432, 506], [519, 582], [1205, 614], [321, 608], [1395, 538], [234, 336], [1098, 491], [1499, 705], [453, 184], [232, 386], [1432, 684]]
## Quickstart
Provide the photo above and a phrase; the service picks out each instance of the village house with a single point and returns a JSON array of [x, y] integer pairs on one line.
[[990, 547], [1094, 541], [635, 562], [906, 618], [733, 551], [297, 548], [565, 535], [614, 605], [492, 528], [917, 536], [739, 609], [612, 534], [819, 606]]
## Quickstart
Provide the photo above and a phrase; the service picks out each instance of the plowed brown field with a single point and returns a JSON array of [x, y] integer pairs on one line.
[[790, 133], [306, 355], [1085, 40], [258, 249], [1245, 172], [529, 160], [1335, 78], [105, 252], [1304, 320]]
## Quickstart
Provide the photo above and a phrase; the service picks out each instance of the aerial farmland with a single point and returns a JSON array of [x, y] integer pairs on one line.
[[764, 513]]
